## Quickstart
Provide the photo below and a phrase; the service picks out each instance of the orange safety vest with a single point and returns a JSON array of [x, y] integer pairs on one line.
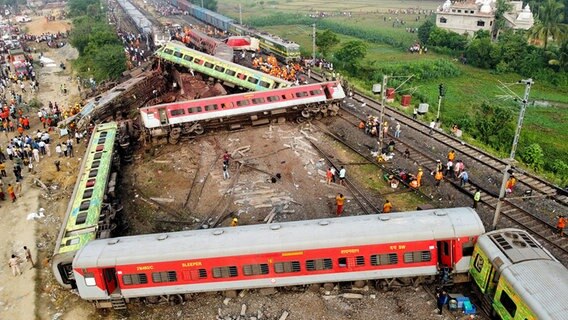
[[561, 223], [439, 175]]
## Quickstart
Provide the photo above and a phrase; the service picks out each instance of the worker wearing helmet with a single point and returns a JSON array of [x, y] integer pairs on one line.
[[234, 222]]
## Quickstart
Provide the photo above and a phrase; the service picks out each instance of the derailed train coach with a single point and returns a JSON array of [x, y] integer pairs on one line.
[[374, 249]]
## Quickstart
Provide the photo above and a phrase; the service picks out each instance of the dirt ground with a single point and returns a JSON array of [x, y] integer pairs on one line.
[[17, 294], [40, 25]]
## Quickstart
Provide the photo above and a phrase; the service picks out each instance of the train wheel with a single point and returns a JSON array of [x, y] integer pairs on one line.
[[359, 284], [305, 113], [318, 116], [173, 140], [314, 287], [301, 119], [328, 286], [198, 129], [152, 299], [176, 299]]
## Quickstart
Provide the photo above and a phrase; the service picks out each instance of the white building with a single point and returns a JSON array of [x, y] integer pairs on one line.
[[469, 16]]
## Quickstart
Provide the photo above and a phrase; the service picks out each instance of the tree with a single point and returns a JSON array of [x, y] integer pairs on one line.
[[208, 4], [492, 124], [350, 55], [80, 7], [478, 53], [424, 31], [502, 7], [559, 56], [549, 24], [325, 41]]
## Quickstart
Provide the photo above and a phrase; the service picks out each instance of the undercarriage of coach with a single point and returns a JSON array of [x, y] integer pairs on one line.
[[173, 133]]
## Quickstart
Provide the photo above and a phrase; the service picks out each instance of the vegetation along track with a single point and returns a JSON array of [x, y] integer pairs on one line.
[[515, 213]]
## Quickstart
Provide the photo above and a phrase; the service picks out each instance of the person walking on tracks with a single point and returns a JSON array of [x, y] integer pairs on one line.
[[29, 257], [340, 201], [442, 300], [342, 174], [464, 178], [438, 177], [387, 207], [419, 177], [560, 225], [476, 198]]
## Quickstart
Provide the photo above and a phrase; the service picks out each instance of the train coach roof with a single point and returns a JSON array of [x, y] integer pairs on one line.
[[543, 285], [282, 237]]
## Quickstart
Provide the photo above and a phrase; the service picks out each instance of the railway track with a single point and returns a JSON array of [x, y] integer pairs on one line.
[[516, 215]]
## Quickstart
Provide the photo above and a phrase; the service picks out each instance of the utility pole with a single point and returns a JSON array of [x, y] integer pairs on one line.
[[202, 6], [240, 15], [382, 113], [313, 43], [528, 83]]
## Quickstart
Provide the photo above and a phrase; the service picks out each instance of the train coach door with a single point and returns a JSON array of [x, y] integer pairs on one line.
[[163, 116], [445, 253], [111, 282]]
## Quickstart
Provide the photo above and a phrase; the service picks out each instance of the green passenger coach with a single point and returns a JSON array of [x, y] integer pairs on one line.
[[518, 278], [89, 212]]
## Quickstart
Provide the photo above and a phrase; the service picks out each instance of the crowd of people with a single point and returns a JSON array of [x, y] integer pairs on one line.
[[270, 65]]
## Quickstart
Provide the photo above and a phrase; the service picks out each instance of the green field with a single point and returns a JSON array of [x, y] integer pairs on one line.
[[465, 92]]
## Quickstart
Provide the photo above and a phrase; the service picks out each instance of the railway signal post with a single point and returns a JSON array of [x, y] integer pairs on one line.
[[525, 100]]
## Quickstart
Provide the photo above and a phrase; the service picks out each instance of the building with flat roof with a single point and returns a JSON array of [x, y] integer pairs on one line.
[[469, 16]]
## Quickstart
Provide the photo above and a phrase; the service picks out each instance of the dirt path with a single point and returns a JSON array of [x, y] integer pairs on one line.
[[17, 294]]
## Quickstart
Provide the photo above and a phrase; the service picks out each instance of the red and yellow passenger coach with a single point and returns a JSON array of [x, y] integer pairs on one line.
[[370, 247]]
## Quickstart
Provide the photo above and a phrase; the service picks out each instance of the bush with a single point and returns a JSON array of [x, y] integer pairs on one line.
[[533, 156]]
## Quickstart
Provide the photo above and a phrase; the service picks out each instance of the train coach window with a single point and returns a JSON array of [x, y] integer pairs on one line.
[[98, 155], [315, 92], [243, 103], [219, 68], [136, 278], [301, 94], [90, 279], [177, 54], [264, 84], [225, 272], [188, 58], [177, 112], [95, 164], [85, 205], [252, 80], [360, 260], [166, 276], [467, 249], [93, 173], [255, 269], [478, 263], [319, 264], [88, 193], [227, 105], [230, 72], [194, 110], [209, 65], [102, 140], [81, 218], [342, 262], [258, 100], [241, 76], [273, 98], [168, 51], [508, 303], [211, 107], [198, 61], [417, 256], [384, 259], [289, 266]]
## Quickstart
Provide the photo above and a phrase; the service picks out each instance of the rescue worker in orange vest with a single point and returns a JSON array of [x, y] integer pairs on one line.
[[560, 225], [451, 155], [438, 177], [340, 201], [387, 207], [413, 184], [511, 184], [419, 177]]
